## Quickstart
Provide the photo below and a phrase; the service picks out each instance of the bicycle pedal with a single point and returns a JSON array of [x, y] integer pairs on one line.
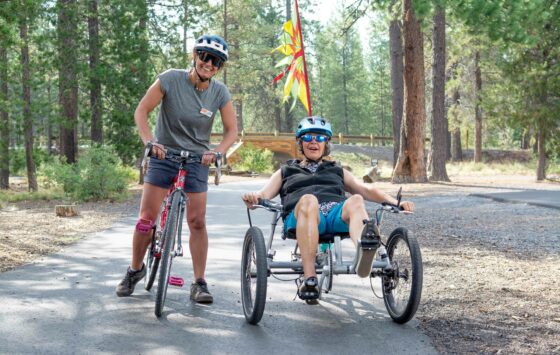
[[176, 281]]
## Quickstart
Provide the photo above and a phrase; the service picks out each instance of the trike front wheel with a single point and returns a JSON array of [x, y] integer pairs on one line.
[[402, 286], [253, 275]]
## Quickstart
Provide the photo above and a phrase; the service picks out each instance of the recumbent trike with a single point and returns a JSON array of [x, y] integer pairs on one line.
[[398, 263]]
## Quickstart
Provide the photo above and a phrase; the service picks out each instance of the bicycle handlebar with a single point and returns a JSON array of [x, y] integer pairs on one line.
[[269, 205], [186, 157]]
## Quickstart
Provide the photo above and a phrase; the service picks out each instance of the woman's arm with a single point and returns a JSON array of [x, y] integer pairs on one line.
[[269, 191], [151, 99], [229, 122], [370, 192]]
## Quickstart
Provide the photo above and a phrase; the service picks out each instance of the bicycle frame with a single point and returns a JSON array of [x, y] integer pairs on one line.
[[177, 188]]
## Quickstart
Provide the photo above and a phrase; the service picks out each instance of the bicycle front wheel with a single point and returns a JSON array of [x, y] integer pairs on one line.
[[253, 275], [402, 287], [168, 245]]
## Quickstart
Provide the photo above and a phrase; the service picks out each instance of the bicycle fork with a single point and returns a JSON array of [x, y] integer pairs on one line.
[[179, 248]]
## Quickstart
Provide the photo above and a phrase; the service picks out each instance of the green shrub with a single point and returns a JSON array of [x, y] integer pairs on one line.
[[255, 160], [18, 165], [97, 175]]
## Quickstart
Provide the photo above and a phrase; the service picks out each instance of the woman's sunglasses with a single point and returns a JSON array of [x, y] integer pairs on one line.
[[206, 57], [319, 138]]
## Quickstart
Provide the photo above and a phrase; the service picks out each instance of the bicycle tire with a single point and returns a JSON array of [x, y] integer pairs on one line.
[[402, 288], [254, 275], [168, 241], [152, 263]]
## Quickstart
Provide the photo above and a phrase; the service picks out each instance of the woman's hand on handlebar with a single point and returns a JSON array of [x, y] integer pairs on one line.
[[208, 158], [251, 199], [157, 151], [407, 206]]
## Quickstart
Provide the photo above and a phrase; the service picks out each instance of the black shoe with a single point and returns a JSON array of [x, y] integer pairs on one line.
[[126, 286], [200, 293], [369, 243], [309, 289]]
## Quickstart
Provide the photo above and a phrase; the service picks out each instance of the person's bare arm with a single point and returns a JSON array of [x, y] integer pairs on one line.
[[370, 192], [229, 121], [269, 191], [151, 99]]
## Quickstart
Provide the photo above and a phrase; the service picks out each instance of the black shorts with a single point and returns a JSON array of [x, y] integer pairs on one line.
[[161, 173]]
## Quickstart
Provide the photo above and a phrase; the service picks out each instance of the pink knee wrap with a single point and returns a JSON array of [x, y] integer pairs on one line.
[[144, 225]]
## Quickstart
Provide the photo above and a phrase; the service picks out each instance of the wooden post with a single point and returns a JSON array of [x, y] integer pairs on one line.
[[340, 138], [371, 140], [467, 140]]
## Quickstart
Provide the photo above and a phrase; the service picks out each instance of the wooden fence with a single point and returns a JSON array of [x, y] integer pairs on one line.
[[285, 137]]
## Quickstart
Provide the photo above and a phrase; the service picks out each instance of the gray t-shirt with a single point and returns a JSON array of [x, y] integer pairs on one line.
[[186, 114]]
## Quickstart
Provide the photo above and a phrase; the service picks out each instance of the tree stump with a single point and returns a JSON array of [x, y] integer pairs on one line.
[[66, 210]]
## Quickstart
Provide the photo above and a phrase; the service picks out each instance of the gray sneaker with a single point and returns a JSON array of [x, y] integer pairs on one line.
[[126, 286], [200, 293]]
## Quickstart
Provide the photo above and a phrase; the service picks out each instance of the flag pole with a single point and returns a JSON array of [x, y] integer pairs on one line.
[[310, 111]]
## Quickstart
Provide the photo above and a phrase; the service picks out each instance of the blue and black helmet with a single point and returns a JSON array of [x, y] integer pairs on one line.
[[212, 44], [314, 124]]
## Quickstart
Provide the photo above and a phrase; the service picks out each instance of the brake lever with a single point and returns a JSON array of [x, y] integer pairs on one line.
[[218, 172], [144, 164]]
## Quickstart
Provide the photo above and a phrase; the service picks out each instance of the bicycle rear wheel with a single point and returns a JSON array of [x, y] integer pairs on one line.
[[168, 245], [253, 275], [152, 262], [152, 259], [402, 287]]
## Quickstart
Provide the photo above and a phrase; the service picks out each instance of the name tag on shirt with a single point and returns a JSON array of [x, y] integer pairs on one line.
[[206, 112]]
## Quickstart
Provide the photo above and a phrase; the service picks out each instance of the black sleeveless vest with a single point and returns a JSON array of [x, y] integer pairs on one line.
[[327, 183]]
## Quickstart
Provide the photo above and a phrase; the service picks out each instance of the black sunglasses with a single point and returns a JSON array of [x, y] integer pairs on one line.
[[206, 57]]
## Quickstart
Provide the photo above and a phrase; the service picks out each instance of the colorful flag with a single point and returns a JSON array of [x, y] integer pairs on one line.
[[297, 84]]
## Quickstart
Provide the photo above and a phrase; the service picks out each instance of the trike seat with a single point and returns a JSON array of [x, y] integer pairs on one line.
[[323, 238]]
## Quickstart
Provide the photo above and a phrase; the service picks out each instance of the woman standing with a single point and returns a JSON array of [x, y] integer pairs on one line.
[[189, 101]]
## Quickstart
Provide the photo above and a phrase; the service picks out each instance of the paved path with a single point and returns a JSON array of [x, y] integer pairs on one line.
[[542, 198], [65, 303]]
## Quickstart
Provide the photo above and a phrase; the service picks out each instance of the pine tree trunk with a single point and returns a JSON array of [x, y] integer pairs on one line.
[[478, 110], [344, 90], [395, 42], [541, 164], [239, 109], [438, 171], [456, 150], [4, 122], [27, 118], [68, 83], [411, 166], [95, 83]]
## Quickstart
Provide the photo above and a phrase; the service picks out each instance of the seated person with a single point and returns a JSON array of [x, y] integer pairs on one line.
[[313, 195]]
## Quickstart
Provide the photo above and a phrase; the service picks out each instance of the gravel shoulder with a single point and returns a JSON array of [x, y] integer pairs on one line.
[[491, 269]]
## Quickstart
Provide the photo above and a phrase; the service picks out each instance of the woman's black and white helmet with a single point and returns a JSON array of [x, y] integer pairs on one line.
[[212, 44]]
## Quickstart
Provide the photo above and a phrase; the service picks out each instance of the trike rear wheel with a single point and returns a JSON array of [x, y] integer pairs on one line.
[[253, 275], [402, 286]]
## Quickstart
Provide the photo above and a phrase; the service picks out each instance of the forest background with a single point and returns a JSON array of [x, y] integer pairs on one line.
[[476, 73]]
